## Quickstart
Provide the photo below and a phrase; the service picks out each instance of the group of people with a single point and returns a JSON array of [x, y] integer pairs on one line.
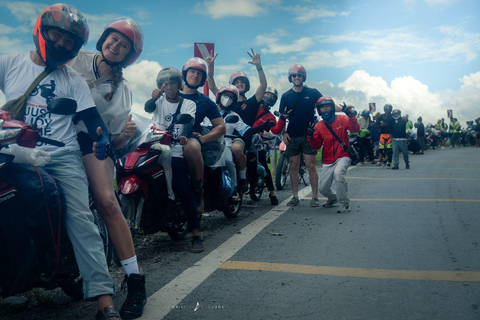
[[103, 122]]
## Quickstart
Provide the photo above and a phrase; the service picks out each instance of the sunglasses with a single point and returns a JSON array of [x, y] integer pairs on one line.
[[297, 75]]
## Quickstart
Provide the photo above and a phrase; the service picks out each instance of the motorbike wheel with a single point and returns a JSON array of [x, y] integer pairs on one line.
[[231, 209], [178, 230], [283, 172], [129, 209], [256, 194], [74, 290], [102, 228]]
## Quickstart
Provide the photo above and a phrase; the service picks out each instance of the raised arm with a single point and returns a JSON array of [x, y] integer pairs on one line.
[[211, 82], [257, 62]]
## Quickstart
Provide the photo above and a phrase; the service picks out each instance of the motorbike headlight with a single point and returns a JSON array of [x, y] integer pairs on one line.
[[9, 134]]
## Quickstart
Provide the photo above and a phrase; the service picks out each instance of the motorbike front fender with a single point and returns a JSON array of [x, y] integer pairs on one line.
[[131, 184]]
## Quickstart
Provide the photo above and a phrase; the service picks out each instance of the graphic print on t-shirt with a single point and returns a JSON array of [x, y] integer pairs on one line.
[[46, 91]]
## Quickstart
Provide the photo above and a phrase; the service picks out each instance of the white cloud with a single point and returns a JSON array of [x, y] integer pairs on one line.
[[218, 9], [276, 45], [306, 14], [24, 11], [142, 78]]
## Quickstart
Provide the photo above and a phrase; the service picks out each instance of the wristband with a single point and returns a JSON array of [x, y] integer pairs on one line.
[[259, 69]]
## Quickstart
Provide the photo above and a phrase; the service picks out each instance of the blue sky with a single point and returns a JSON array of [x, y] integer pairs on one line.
[[422, 56]]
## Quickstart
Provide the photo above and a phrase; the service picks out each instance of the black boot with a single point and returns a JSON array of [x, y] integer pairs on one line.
[[136, 297]]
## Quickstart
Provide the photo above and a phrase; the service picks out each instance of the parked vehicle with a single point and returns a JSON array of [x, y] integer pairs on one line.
[[34, 245], [144, 183], [283, 169]]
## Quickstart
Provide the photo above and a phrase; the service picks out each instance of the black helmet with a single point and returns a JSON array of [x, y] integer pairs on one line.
[[67, 19], [388, 109]]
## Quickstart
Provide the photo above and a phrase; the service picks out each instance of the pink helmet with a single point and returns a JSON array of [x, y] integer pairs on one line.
[[231, 88], [297, 69], [237, 75], [129, 28], [195, 63]]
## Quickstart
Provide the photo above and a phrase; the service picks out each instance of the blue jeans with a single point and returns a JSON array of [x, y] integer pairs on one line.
[[402, 146], [67, 169]]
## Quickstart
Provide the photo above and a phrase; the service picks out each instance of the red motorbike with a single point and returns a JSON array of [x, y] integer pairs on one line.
[[144, 183], [34, 244]]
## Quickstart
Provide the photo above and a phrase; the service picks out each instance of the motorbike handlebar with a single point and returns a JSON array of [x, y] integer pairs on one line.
[[54, 142]]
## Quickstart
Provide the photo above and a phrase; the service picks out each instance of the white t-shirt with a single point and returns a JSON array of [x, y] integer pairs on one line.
[[114, 112], [163, 117], [240, 126], [18, 71]]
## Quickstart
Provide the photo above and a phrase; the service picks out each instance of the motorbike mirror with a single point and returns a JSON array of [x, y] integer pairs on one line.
[[232, 119], [183, 118], [276, 113], [62, 106]]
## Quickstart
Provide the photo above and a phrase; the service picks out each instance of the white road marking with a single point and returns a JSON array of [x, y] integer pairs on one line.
[[164, 300]]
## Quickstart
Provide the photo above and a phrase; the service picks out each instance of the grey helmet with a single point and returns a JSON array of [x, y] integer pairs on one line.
[[169, 74], [270, 101], [396, 114]]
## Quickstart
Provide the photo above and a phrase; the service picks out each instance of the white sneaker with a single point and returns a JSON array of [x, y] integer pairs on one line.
[[329, 203], [343, 208]]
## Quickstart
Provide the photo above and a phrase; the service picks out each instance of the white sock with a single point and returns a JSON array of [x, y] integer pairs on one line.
[[130, 265], [242, 174]]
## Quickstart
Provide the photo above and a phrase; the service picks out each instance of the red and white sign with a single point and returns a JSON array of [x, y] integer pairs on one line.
[[202, 50], [371, 107], [449, 114]]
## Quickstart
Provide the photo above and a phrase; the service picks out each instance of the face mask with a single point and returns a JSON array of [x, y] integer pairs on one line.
[[269, 101], [328, 116], [226, 101]]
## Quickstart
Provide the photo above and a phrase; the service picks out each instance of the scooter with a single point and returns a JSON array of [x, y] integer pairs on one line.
[[144, 182], [34, 245]]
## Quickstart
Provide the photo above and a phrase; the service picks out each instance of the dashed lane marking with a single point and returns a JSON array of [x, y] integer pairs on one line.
[[462, 276], [369, 178]]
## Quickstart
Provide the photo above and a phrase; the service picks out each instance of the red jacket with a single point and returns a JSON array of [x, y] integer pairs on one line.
[[332, 149], [267, 116]]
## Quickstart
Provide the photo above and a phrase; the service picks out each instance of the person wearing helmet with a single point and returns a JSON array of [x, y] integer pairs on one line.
[[59, 33], [118, 47], [399, 139], [334, 157], [165, 103], [234, 154], [376, 139], [194, 75], [247, 109], [298, 105], [384, 125], [365, 124], [264, 115]]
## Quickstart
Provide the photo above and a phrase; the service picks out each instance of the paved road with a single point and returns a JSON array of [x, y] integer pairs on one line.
[[407, 250]]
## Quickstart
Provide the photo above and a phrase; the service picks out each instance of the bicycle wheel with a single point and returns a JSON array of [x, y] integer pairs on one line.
[[283, 172]]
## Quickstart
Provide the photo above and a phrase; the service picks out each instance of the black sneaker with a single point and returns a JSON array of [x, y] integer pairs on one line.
[[395, 167], [273, 200], [408, 165], [197, 245], [242, 186], [136, 298]]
